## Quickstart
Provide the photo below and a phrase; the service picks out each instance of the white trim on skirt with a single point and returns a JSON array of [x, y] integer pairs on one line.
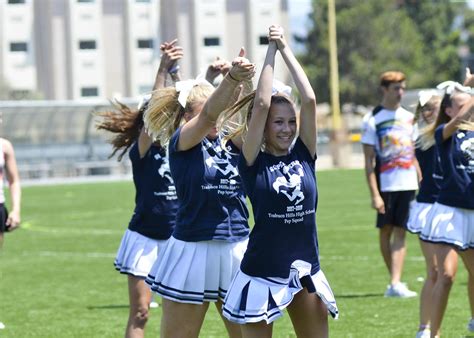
[[450, 225], [418, 216], [196, 272], [254, 299], [137, 254]]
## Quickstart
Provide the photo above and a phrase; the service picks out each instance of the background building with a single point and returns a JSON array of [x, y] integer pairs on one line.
[[84, 49]]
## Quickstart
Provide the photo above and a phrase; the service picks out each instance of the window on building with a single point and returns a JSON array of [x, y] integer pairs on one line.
[[213, 41], [145, 43], [15, 2], [263, 40], [18, 47], [89, 91], [87, 44]]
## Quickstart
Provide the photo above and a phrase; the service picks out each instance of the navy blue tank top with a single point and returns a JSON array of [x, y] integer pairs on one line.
[[212, 203], [156, 202], [283, 193]]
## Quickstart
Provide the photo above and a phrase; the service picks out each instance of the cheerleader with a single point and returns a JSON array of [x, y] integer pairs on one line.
[[280, 268], [211, 231], [155, 199], [426, 112], [450, 222]]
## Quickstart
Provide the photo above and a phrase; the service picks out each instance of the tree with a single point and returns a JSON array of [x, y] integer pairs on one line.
[[374, 36]]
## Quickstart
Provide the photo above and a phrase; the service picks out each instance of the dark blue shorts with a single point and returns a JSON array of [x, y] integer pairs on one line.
[[3, 218], [397, 208]]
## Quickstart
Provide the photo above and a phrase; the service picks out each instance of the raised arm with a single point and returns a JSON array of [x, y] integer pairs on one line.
[[469, 78], [218, 67], [13, 178], [198, 127], [308, 97], [261, 106], [171, 54], [465, 114]]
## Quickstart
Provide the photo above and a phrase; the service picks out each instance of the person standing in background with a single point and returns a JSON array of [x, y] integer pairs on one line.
[[388, 135]]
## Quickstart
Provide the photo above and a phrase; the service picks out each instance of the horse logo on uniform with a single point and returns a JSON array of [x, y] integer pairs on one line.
[[164, 170], [221, 162], [290, 184]]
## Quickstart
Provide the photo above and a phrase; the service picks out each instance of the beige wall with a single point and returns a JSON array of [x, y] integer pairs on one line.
[[117, 66]]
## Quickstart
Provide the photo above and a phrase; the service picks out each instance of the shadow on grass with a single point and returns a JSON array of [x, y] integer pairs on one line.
[[107, 307], [359, 295]]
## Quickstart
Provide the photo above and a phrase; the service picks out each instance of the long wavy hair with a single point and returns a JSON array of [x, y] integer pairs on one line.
[[426, 140], [126, 123], [165, 114]]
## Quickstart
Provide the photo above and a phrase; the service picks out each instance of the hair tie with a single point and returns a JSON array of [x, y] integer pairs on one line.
[[280, 87], [451, 86]]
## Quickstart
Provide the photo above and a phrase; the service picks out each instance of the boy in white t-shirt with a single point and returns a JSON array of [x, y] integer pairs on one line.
[[388, 139]]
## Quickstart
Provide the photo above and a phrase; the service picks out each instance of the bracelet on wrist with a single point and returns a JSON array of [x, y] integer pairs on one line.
[[232, 78], [173, 70]]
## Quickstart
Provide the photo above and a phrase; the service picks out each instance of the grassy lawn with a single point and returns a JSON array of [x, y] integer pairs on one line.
[[57, 278]]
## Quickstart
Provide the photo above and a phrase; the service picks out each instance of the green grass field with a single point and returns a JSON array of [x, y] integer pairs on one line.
[[58, 280]]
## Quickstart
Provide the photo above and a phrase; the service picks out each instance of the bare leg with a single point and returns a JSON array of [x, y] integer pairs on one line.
[[468, 259], [309, 315], [384, 239], [398, 251], [182, 320], [139, 296], [257, 330], [233, 329], [428, 250], [447, 260]]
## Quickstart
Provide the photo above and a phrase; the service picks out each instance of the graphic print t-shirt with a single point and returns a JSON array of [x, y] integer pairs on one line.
[[212, 204], [156, 202], [284, 198], [391, 132], [457, 161]]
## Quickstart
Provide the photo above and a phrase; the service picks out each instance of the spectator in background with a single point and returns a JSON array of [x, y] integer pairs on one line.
[[389, 136]]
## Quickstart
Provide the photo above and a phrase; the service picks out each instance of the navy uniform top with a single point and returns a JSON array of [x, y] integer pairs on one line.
[[457, 161], [431, 173], [283, 193], [212, 203], [156, 202]]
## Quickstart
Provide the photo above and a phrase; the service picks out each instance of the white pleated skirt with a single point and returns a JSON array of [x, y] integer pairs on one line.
[[418, 216], [254, 299], [137, 254], [196, 272], [450, 225]]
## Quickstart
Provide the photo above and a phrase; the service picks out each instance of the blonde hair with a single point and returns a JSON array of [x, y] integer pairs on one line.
[[237, 127], [165, 114], [426, 138], [125, 123], [427, 134]]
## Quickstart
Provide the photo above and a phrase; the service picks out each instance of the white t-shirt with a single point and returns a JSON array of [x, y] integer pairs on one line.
[[392, 134]]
